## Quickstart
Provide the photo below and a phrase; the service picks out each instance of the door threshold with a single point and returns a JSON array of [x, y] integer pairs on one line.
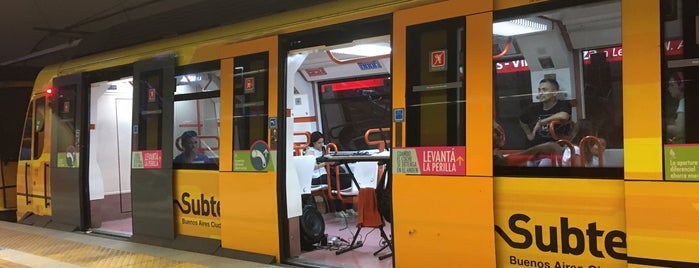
[[112, 233]]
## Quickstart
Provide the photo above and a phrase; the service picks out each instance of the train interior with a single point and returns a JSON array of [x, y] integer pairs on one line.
[[342, 91], [581, 48], [110, 156]]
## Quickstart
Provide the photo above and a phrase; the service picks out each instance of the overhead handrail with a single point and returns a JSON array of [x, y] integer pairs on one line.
[[361, 59], [504, 49]]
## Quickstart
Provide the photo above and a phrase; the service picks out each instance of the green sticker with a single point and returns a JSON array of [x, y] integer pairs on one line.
[[681, 162]]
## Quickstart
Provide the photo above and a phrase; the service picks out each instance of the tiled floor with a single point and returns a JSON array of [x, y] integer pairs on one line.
[[359, 257], [29, 246]]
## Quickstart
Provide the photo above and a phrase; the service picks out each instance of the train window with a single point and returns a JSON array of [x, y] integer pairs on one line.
[[350, 107], [435, 95], [558, 92], [679, 94], [250, 99], [197, 115], [39, 110], [26, 149], [64, 122], [151, 107]]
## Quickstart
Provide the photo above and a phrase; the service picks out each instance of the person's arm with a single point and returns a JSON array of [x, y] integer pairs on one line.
[[676, 129], [548, 147], [527, 131], [557, 116]]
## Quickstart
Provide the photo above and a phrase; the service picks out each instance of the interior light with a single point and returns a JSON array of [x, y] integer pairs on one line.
[[364, 50], [521, 26], [190, 78]]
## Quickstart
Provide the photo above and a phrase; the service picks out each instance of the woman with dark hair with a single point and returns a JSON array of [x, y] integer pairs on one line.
[[675, 128], [317, 148]]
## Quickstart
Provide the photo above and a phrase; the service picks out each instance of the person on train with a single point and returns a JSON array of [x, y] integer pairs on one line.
[[189, 154], [317, 148], [536, 118], [675, 129], [582, 129]]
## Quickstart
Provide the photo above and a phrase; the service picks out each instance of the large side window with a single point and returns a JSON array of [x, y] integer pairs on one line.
[[197, 116], [351, 107], [250, 104], [39, 111], [25, 152], [435, 95], [558, 92], [679, 94]]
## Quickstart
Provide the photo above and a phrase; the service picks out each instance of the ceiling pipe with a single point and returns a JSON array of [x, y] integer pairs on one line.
[[43, 52]]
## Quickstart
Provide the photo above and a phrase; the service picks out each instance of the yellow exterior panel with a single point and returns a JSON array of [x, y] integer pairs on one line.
[[439, 11], [503, 4], [642, 105], [641, 161], [249, 212], [479, 94], [443, 221], [662, 220], [226, 141], [545, 209]]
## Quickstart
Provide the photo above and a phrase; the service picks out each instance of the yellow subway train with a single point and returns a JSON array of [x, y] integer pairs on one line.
[[400, 133]]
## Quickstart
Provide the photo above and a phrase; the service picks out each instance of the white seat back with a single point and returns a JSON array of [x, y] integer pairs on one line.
[[304, 168], [365, 173]]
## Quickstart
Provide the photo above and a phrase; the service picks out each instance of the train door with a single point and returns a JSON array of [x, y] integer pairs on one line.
[[152, 125], [109, 169], [338, 88], [248, 161], [441, 179], [67, 152]]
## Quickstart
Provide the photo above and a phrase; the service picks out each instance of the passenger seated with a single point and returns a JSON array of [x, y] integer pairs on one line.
[[535, 119], [189, 154], [317, 148]]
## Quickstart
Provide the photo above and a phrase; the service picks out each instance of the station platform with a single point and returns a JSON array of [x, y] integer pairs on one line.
[[30, 246]]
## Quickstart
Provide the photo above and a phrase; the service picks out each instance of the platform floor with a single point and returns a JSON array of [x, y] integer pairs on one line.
[[29, 246]]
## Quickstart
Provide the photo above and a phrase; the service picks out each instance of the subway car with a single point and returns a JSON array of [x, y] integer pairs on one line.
[[492, 133]]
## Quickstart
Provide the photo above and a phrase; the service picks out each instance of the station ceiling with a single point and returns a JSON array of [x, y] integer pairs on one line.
[[36, 33]]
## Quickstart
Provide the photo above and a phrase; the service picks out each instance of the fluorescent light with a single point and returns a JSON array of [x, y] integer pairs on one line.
[[521, 26], [364, 50]]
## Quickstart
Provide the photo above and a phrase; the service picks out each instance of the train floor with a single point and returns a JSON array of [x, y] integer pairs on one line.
[[30, 246]]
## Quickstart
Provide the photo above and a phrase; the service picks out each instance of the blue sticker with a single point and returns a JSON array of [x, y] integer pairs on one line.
[[398, 115], [272, 122]]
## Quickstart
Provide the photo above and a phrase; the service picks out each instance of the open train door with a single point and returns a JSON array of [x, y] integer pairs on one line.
[[151, 151], [68, 150]]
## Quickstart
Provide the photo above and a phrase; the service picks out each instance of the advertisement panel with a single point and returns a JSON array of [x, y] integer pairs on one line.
[[557, 223], [198, 211]]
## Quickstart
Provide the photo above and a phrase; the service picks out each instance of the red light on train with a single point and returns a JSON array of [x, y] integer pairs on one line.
[[49, 91]]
